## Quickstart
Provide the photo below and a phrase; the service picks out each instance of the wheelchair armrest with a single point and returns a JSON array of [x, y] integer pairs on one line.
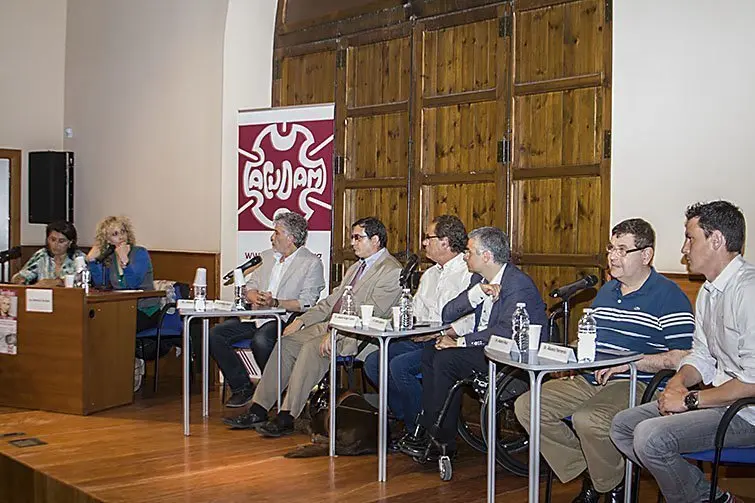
[[655, 383], [732, 411]]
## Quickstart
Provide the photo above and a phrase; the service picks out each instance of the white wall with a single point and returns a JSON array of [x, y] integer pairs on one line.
[[247, 83], [143, 94], [683, 103], [32, 69]]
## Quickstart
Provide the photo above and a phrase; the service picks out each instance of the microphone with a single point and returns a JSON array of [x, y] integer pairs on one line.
[[228, 278], [572, 288], [10, 254], [408, 270]]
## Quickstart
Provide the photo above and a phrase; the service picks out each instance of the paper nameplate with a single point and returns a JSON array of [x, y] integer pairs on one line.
[[209, 305], [223, 305], [38, 301], [557, 353], [185, 304], [344, 320], [379, 324], [501, 344]]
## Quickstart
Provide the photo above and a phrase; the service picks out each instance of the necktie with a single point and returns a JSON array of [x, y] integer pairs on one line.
[[362, 266]]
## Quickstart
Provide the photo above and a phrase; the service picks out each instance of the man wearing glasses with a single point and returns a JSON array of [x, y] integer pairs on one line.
[[306, 341], [638, 310]]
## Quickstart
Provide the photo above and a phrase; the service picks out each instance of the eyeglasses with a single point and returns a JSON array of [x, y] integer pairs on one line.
[[60, 241], [428, 237], [358, 237], [621, 252]]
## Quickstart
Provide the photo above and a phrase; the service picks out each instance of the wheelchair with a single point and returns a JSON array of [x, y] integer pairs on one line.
[[512, 440]]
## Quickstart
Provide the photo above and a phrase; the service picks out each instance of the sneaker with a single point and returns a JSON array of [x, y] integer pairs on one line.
[[275, 428], [240, 398], [138, 373], [245, 421]]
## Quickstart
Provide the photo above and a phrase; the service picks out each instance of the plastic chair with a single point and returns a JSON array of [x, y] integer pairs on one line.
[[169, 325]]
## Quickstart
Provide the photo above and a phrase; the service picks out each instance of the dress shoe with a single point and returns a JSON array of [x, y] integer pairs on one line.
[[588, 494], [413, 446], [241, 397], [275, 428], [615, 495], [245, 421]]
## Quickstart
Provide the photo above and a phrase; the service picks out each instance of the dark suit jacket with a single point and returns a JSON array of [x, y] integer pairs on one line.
[[516, 286]]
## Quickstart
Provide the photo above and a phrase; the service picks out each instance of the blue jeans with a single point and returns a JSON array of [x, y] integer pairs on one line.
[[656, 442], [404, 388]]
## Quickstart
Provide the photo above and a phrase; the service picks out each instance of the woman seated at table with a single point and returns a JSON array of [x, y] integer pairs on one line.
[[115, 261], [50, 264]]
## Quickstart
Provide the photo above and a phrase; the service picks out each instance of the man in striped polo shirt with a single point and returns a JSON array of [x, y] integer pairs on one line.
[[638, 310]]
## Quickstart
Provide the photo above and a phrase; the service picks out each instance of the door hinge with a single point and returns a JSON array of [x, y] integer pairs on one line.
[[609, 10], [338, 165], [340, 58], [607, 144], [504, 26], [504, 151], [276, 69]]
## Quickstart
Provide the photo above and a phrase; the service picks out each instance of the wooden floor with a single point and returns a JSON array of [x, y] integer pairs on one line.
[[139, 454]]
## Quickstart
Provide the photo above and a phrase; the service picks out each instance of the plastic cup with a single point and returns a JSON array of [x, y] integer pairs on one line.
[[200, 278], [366, 315], [396, 318], [534, 337], [68, 280]]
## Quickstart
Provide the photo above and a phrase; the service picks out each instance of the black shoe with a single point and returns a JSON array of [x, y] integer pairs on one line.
[[726, 497], [588, 494], [413, 446], [615, 495], [241, 397], [275, 428], [245, 421], [434, 452]]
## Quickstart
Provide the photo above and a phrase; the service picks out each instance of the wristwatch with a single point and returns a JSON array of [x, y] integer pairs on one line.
[[276, 303], [691, 400]]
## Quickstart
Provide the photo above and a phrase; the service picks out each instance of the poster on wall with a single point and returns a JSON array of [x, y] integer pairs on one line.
[[285, 163], [8, 322]]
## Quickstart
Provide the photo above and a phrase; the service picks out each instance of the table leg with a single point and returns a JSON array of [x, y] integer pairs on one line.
[[187, 370], [536, 382], [628, 463], [280, 324], [491, 430], [383, 410], [332, 432], [205, 367]]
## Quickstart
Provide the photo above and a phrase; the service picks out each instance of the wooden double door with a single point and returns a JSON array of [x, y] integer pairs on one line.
[[498, 113]]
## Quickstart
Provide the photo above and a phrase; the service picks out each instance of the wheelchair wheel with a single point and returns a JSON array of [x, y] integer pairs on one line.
[[445, 469], [512, 441], [469, 428]]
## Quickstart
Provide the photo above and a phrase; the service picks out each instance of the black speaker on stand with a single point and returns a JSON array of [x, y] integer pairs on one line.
[[50, 187]]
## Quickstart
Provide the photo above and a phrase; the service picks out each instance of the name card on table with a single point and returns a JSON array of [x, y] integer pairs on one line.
[[344, 320], [379, 324], [38, 301], [223, 305], [501, 344], [557, 353], [185, 304]]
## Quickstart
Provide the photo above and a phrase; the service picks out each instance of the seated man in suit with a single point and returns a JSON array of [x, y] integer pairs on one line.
[[290, 277], [306, 343], [638, 310], [444, 244], [494, 291]]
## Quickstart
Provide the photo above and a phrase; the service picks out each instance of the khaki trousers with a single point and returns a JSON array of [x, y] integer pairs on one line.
[[302, 368], [585, 445]]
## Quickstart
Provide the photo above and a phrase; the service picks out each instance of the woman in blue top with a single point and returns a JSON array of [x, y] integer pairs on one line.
[[115, 261], [50, 264]]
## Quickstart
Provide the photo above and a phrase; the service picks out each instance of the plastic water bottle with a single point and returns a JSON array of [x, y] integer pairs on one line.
[[406, 310], [520, 327], [86, 279], [80, 265], [587, 331], [347, 302], [200, 298]]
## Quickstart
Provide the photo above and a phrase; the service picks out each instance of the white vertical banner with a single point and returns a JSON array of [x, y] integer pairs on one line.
[[285, 163]]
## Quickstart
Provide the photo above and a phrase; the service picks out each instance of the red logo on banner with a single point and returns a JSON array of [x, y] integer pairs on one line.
[[285, 165]]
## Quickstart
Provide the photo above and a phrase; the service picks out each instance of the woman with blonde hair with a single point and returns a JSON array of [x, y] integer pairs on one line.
[[116, 261]]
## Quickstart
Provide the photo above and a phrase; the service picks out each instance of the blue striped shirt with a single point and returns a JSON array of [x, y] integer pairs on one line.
[[655, 318]]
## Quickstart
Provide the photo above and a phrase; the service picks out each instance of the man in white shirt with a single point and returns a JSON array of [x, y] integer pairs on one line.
[[723, 354], [444, 244], [290, 277]]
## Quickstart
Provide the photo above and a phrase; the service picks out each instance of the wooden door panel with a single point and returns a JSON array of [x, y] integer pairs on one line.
[[378, 73], [471, 202], [558, 216], [377, 146], [387, 204], [460, 138], [559, 41], [558, 128], [308, 79], [460, 58]]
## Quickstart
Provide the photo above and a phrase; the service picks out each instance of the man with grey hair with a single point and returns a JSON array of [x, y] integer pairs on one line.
[[495, 289], [290, 276]]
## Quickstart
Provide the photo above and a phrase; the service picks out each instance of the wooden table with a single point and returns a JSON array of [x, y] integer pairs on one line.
[[79, 358]]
